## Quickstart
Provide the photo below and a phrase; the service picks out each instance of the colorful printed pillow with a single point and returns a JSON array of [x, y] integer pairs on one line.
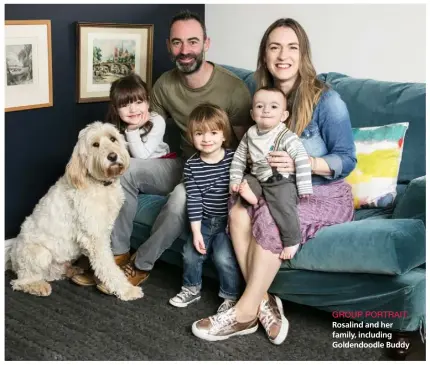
[[379, 153]]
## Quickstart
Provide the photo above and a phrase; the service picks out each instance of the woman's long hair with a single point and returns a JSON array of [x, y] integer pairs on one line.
[[307, 89], [124, 91]]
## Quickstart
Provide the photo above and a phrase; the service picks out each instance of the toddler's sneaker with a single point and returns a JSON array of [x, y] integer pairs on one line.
[[226, 305], [184, 298]]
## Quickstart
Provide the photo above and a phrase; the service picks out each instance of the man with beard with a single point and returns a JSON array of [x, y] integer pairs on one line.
[[175, 94], [194, 81]]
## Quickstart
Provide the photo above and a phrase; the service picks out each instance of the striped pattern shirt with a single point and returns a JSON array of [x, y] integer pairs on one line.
[[257, 146], [207, 187]]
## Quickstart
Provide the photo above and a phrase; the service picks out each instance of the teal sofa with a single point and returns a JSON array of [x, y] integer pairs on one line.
[[375, 263]]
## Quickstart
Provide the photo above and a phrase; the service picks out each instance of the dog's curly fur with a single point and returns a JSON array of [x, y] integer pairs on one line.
[[76, 217]]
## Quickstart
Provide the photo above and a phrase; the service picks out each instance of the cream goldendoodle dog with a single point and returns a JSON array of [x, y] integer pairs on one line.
[[76, 217]]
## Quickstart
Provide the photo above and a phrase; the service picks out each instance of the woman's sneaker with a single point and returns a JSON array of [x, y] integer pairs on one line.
[[222, 326], [272, 318], [184, 298], [226, 305]]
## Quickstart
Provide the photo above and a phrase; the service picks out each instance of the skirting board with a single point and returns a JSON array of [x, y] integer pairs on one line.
[[7, 246]]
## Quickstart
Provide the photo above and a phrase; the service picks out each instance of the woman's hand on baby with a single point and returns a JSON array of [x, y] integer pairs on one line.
[[199, 243], [282, 161], [305, 196]]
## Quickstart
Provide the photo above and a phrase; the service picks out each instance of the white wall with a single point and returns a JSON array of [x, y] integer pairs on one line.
[[384, 42]]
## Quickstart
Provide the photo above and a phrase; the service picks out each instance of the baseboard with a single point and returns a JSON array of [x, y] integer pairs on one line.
[[7, 246]]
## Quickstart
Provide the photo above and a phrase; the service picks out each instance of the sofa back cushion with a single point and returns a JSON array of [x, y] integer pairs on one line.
[[374, 103]]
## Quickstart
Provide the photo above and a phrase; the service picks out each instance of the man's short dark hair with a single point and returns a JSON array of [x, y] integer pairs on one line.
[[188, 15]]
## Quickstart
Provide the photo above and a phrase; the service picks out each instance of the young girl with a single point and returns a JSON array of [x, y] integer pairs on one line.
[[143, 130], [206, 179], [129, 111]]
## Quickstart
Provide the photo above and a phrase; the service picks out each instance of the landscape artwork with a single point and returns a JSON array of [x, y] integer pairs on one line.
[[107, 52], [28, 65], [112, 59], [19, 64]]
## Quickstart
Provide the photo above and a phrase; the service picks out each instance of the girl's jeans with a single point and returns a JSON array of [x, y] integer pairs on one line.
[[219, 246]]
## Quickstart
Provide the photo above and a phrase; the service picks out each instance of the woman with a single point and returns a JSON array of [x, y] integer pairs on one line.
[[321, 119]]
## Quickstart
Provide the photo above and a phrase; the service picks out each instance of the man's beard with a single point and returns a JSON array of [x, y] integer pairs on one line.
[[192, 67]]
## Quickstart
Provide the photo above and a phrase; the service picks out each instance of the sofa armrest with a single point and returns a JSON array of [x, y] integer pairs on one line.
[[413, 202]]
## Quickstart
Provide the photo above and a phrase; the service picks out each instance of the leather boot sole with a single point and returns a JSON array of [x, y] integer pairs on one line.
[[85, 279]]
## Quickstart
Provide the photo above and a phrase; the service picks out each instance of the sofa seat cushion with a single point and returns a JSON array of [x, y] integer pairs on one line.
[[378, 246]]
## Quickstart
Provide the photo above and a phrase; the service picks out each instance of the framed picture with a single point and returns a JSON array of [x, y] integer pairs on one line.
[[28, 53], [106, 52]]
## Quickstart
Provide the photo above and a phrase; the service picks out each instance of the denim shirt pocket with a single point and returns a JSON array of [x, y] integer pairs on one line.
[[313, 142]]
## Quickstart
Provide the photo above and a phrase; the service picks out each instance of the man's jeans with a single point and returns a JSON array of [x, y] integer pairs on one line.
[[219, 246], [158, 177]]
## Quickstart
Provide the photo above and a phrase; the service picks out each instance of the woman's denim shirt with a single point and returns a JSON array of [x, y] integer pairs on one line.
[[329, 136]]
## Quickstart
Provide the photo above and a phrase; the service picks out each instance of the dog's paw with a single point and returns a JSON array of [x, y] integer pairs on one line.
[[44, 289], [39, 288], [131, 293]]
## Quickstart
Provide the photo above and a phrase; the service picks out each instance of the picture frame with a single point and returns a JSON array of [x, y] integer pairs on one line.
[[108, 51], [28, 56]]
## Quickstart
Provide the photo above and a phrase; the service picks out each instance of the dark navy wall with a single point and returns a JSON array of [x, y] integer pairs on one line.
[[39, 142]]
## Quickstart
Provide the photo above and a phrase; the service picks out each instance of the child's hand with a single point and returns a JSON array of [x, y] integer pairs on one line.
[[305, 196], [199, 243], [140, 122], [234, 188]]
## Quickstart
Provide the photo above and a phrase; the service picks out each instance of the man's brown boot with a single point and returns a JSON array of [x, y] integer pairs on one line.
[[132, 273], [122, 259], [88, 278]]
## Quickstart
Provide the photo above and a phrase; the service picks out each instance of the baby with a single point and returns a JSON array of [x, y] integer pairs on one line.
[[280, 190]]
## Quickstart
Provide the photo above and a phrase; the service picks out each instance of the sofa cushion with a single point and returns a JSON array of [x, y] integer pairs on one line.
[[374, 103], [379, 154], [379, 246], [412, 204]]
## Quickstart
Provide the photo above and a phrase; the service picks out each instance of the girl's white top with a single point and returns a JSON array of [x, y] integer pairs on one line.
[[151, 145]]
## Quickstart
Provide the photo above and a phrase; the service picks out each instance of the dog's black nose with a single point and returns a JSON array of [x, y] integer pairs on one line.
[[112, 156]]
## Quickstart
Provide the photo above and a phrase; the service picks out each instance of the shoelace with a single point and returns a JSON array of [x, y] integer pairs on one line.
[[226, 305], [222, 320], [267, 317], [129, 270], [184, 294]]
